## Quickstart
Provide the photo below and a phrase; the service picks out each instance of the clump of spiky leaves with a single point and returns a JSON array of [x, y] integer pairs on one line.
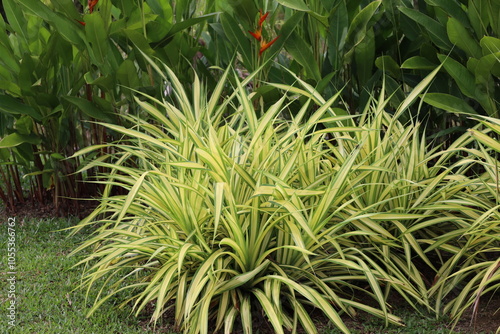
[[422, 213], [475, 264], [227, 215]]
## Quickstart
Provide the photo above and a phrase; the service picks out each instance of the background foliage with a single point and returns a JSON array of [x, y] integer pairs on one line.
[[65, 64]]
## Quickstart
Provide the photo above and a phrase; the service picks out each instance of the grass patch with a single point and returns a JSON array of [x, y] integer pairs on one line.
[[45, 280]]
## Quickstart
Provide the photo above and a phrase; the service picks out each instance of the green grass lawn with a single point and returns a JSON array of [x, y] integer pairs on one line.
[[47, 302]]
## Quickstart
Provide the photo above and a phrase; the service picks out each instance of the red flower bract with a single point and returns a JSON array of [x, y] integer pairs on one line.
[[262, 18], [264, 46], [92, 4], [257, 34]]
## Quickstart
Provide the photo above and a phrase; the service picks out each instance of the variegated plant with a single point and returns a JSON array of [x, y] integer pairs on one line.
[[227, 215]]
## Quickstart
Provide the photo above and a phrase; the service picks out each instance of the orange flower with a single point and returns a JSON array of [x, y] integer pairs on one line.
[[92, 4], [257, 34], [262, 18], [81, 22], [264, 46]]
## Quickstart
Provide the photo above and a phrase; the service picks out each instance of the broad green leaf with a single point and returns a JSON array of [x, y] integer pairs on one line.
[[418, 63], [139, 41], [459, 36], [158, 29], [467, 82], [16, 139], [364, 55], [303, 54], [484, 68], [88, 108], [477, 12], [96, 34], [69, 29], [239, 39], [362, 22], [13, 106], [338, 28], [287, 29], [242, 11], [389, 65], [437, 32], [57, 156], [68, 8], [127, 74], [453, 9], [24, 125], [8, 59], [295, 4], [449, 103], [180, 26], [464, 79], [10, 87], [490, 45], [16, 19], [323, 19]]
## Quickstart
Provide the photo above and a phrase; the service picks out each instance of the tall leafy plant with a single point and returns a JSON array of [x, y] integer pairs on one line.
[[62, 68], [463, 37]]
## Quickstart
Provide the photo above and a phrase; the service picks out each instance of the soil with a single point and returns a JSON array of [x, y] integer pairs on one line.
[[29, 210], [488, 318]]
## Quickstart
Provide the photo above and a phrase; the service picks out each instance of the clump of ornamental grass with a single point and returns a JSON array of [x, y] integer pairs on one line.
[[475, 263], [227, 215]]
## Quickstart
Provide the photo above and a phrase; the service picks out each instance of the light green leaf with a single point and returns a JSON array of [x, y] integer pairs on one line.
[[485, 139], [16, 139], [490, 45], [418, 63], [417, 91]]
